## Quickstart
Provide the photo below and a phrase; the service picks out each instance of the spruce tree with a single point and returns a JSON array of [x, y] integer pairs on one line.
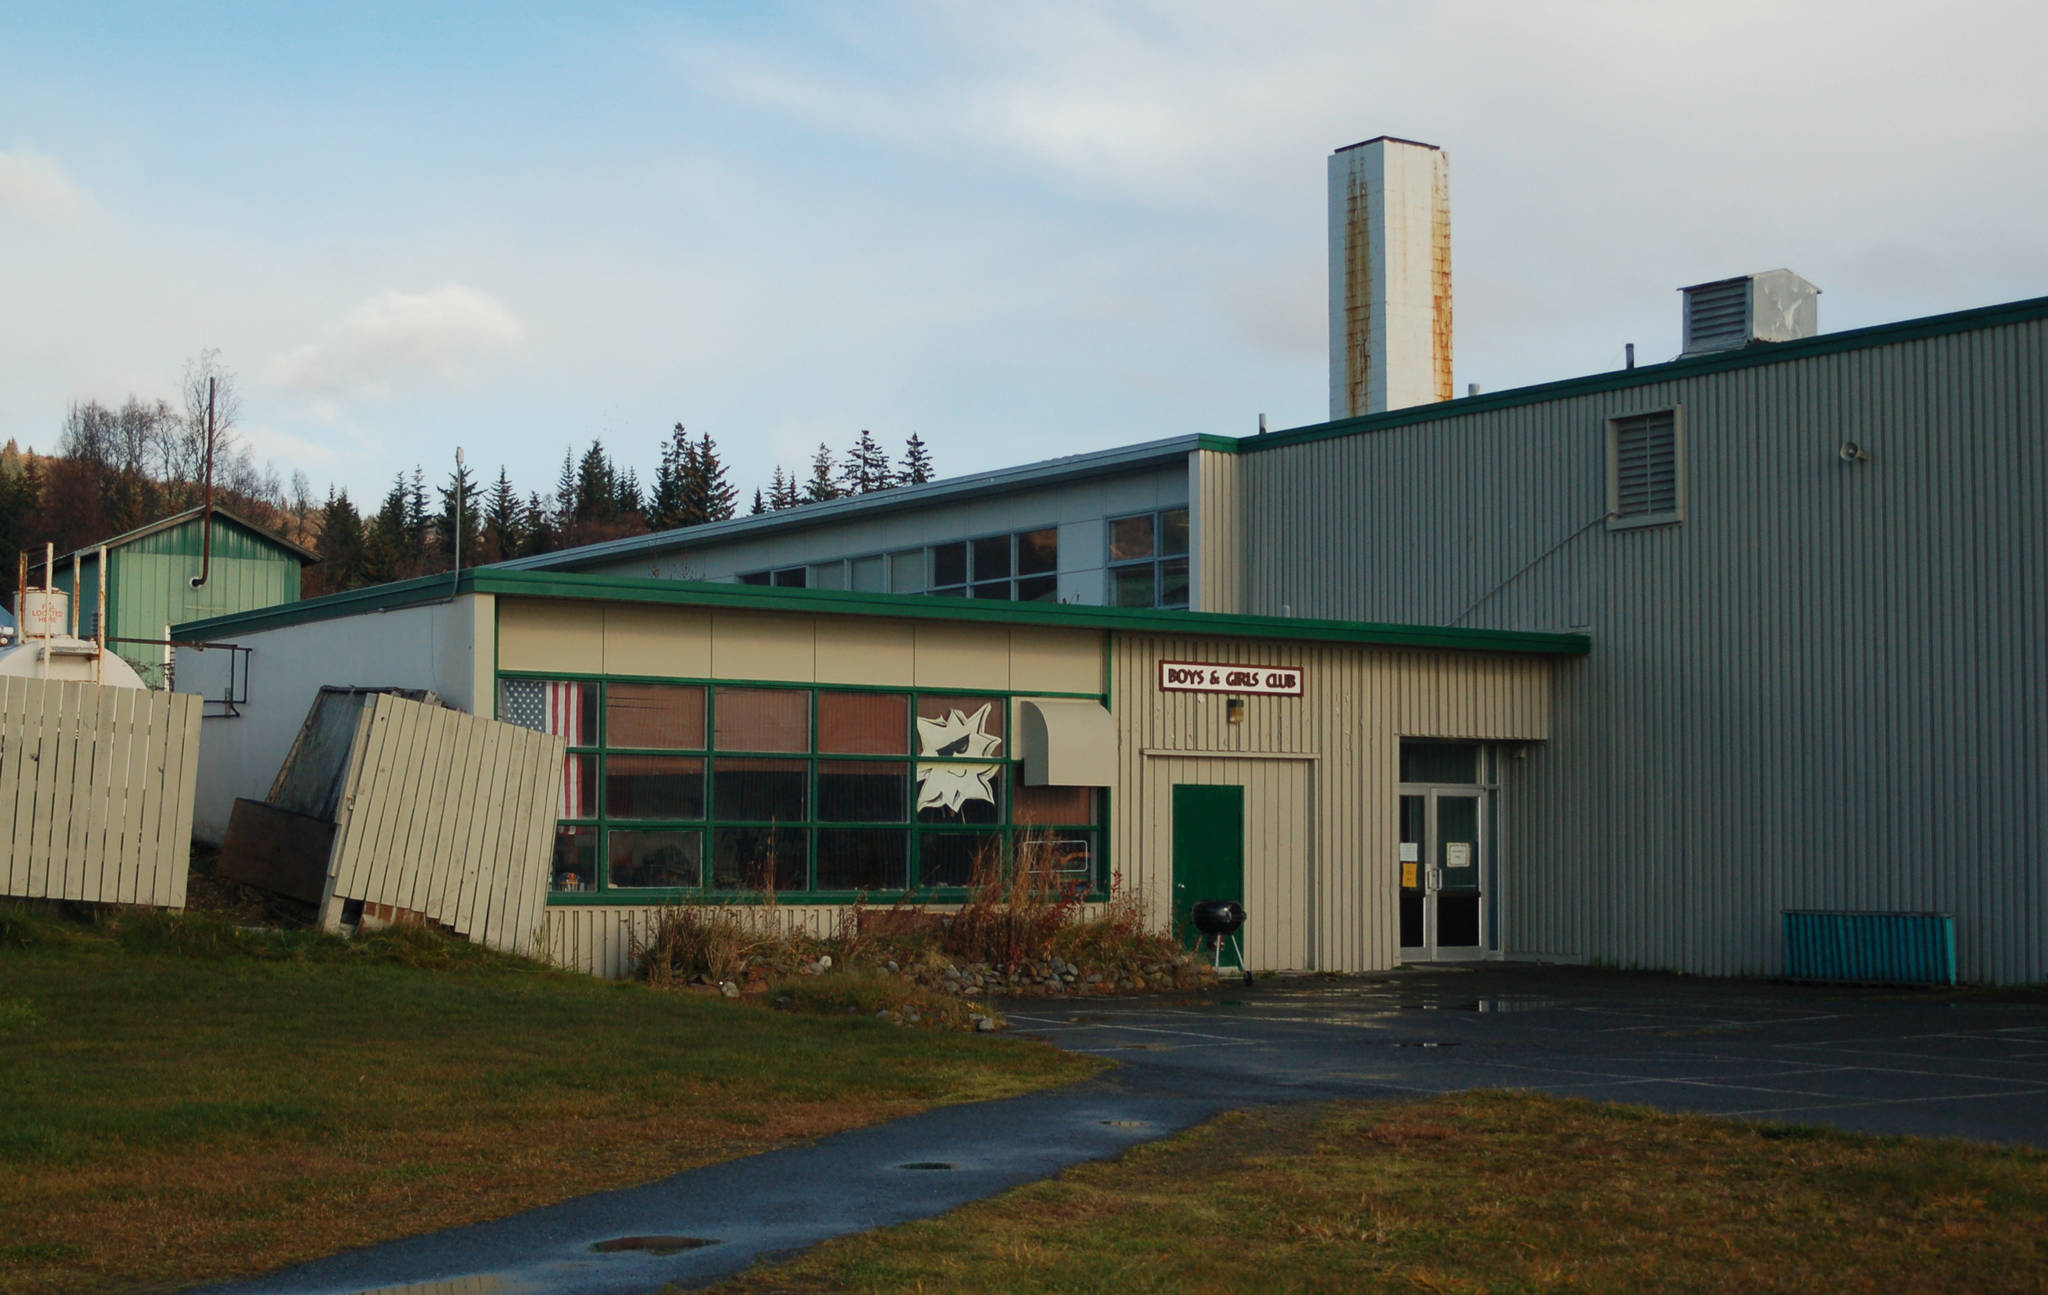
[[341, 543], [566, 501], [782, 491], [417, 521], [627, 498], [707, 495], [822, 485], [758, 507], [543, 527], [460, 485], [917, 463], [665, 509], [504, 521], [597, 486], [867, 466]]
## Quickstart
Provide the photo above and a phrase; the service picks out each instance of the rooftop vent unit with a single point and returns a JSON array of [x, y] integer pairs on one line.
[[1773, 306]]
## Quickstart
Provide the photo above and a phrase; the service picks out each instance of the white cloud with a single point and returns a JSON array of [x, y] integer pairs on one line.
[[397, 339], [33, 184]]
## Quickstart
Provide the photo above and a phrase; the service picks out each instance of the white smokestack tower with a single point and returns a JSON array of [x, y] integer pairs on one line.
[[1390, 276]]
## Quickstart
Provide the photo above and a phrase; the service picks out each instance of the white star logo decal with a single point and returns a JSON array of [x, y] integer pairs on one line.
[[949, 786]]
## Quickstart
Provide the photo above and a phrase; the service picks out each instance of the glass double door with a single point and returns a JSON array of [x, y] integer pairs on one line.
[[1444, 874]]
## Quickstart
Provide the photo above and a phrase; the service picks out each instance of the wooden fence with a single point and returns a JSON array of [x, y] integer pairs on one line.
[[96, 787], [448, 816]]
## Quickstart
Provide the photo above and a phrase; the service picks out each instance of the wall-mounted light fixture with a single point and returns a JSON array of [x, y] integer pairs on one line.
[[1233, 709], [1851, 452]]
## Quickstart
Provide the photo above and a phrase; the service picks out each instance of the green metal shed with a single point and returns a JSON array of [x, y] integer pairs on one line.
[[151, 573]]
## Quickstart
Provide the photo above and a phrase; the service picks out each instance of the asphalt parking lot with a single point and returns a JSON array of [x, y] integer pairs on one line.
[[1962, 1064]]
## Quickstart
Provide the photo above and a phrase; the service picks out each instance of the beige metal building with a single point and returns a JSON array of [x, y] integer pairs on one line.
[[725, 739]]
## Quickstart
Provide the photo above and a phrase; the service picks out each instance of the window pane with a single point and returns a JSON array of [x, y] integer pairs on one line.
[[996, 589], [579, 787], [906, 572], [949, 564], [656, 858], [746, 858], [790, 577], [1130, 537], [764, 719], [863, 723], [870, 575], [1131, 586], [575, 866], [828, 575], [758, 791], [567, 708], [1068, 856], [754, 578], [1048, 805], [992, 558], [950, 591], [951, 858], [1173, 583], [663, 716], [1038, 552], [653, 786], [963, 723], [1440, 762], [863, 791], [1038, 589], [1173, 532], [960, 793], [863, 858]]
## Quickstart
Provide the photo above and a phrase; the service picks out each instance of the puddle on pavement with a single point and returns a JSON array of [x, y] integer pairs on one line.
[[1145, 1047], [1128, 1124], [928, 1164], [656, 1245], [1425, 1043], [1485, 1005], [474, 1284]]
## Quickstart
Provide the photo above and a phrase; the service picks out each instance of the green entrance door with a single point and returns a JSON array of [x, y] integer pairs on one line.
[[1208, 850]]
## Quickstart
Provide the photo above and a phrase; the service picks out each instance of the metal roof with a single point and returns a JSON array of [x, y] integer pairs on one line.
[[879, 503], [300, 551], [568, 585]]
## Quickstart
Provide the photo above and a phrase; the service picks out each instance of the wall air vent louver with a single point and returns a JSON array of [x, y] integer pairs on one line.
[[1645, 477], [1772, 306]]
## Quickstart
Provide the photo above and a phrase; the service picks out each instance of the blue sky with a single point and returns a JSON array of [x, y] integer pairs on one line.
[[1018, 230]]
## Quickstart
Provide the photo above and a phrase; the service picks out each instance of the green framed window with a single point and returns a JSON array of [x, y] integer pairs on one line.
[[681, 789]]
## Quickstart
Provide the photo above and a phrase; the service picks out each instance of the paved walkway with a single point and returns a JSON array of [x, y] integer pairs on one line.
[[1961, 1065]]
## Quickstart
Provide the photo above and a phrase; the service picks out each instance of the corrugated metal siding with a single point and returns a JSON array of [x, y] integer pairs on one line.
[[450, 816], [1821, 690], [1319, 772], [152, 578], [599, 938], [1216, 531], [96, 792]]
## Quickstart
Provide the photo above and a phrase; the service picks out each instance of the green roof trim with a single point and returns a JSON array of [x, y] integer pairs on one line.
[[831, 602], [1746, 357]]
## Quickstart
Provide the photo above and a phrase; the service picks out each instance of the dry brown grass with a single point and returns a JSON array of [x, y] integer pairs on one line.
[[1481, 1192]]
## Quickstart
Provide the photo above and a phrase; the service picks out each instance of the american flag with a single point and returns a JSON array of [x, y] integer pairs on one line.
[[551, 706]]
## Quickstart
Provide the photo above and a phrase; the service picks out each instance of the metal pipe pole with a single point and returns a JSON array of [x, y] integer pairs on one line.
[[99, 620], [206, 523]]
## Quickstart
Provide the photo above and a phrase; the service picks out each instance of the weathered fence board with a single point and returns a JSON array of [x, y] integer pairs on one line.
[[449, 816], [96, 788]]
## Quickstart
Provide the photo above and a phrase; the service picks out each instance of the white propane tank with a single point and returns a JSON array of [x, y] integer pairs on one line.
[[67, 660]]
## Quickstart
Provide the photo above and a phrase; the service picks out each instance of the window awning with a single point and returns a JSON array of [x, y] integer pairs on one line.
[[1066, 743]]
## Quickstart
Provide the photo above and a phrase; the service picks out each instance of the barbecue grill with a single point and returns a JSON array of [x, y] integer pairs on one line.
[[1219, 920]]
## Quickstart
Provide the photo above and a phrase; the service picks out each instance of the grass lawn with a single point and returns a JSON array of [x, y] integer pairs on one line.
[[178, 1102], [1481, 1192]]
